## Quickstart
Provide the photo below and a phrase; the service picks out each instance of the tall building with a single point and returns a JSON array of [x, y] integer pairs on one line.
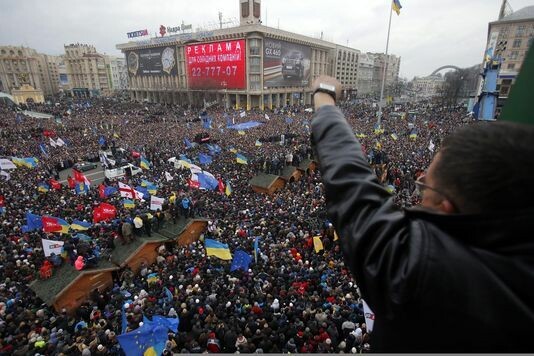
[[249, 66], [513, 34], [119, 73], [366, 64], [23, 65], [392, 71], [88, 71], [427, 87], [346, 68]]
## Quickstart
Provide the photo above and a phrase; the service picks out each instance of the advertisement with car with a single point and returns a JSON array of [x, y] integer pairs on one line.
[[152, 61], [285, 64]]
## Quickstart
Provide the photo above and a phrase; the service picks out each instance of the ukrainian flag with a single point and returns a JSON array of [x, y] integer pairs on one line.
[[396, 6], [152, 278], [152, 189], [128, 203], [258, 143], [413, 136], [145, 164], [233, 150], [217, 249], [317, 244], [31, 162], [116, 135], [80, 225], [228, 190], [43, 187], [241, 132], [361, 135], [394, 136], [241, 159], [19, 162]]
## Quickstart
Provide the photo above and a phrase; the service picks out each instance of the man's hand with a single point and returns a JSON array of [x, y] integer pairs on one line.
[[321, 99]]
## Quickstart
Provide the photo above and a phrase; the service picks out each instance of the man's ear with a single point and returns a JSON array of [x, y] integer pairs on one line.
[[446, 207]]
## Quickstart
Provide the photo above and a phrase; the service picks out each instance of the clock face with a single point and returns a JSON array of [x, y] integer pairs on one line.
[[167, 59], [133, 62]]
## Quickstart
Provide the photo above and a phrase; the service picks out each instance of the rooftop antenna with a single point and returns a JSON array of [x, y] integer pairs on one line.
[[278, 23], [226, 22]]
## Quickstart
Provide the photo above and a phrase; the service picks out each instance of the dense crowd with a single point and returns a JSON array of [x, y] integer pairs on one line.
[[292, 299]]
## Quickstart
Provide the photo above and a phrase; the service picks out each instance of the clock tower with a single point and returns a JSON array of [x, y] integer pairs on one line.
[[249, 12]]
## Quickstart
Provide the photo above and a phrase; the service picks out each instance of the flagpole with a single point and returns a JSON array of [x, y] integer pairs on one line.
[[379, 120]]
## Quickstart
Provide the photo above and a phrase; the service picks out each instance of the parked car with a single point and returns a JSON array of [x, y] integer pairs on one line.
[[127, 170], [85, 166]]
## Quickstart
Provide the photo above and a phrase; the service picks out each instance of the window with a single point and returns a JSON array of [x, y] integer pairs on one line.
[[510, 66], [517, 43], [520, 31], [245, 9], [256, 9], [514, 55]]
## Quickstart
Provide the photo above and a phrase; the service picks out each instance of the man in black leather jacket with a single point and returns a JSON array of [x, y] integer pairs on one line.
[[456, 274]]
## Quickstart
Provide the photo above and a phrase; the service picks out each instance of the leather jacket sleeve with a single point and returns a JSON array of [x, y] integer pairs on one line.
[[383, 249]]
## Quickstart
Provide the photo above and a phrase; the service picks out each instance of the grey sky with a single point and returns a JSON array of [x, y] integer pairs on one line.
[[426, 35]]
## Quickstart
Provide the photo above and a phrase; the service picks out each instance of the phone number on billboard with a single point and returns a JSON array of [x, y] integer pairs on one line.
[[214, 71]]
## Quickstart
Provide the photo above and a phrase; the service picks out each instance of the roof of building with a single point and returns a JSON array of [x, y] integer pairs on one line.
[[263, 180], [526, 13]]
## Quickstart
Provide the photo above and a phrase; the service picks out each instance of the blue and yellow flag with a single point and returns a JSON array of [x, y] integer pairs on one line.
[[128, 203], [145, 164], [30, 162], [394, 136], [258, 143], [217, 249], [396, 6], [43, 187], [148, 340], [80, 225], [241, 261], [228, 189], [241, 159]]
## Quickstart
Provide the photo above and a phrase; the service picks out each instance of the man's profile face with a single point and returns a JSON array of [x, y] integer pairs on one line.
[[432, 199]]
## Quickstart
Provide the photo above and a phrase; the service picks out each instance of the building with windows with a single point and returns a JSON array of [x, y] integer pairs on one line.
[[392, 64], [513, 34], [248, 66], [88, 71], [346, 68], [119, 73], [427, 87], [25, 66], [366, 65]]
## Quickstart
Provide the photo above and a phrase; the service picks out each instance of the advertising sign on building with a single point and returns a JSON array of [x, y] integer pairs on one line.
[[285, 64], [137, 33], [216, 65], [152, 61]]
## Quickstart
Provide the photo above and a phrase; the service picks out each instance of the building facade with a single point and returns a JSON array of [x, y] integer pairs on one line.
[[249, 66], [513, 34], [392, 64], [427, 87], [88, 71], [23, 65], [366, 64], [346, 69], [119, 73]]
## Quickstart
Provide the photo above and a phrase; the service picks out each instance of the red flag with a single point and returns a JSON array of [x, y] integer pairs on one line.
[[108, 211], [78, 176], [72, 183], [97, 215], [2, 201], [102, 191], [194, 184], [136, 154], [51, 224], [55, 184], [221, 186], [49, 133]]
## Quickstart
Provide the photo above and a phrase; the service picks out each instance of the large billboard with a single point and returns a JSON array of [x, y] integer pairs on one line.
[[285, 64], [216, 65], [152, 61]]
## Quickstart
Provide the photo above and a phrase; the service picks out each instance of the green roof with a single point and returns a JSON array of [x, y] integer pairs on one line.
[[288, 171], [305, 164], [122, 252], [172, 231], [263, 180], [48, 289]]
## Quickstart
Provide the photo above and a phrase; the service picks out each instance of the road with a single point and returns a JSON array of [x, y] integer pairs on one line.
[[96, 176]]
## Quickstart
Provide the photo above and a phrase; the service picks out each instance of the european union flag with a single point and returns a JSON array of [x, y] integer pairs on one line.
[[149, 339], [207, 182], [33, 222], [184, 158], [158, 320], [241, 261], [124, 323], [109, 191], [101, 141], [143, 190], [187, 143], [204, 158]]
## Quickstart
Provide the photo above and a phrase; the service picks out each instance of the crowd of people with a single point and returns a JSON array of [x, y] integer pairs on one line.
[[291, 299]]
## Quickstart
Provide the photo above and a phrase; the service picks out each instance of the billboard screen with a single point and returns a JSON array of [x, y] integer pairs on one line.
[[216, 65], [285, 64], [152, 61]]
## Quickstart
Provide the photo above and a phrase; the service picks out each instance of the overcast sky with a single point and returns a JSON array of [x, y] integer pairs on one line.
[[427, 34]]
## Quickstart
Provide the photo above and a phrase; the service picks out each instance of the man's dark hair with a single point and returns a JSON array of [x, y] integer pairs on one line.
[[488, 167]]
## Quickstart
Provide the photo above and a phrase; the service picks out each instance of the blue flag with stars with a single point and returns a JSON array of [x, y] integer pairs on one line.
[[149, 339], [241, 261]]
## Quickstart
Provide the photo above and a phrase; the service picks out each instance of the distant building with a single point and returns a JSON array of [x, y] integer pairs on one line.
[[392, 71], [88, 71], [427, 87], [346, 68], [119, 73], [23, 65], [514, 34], [366, 64]]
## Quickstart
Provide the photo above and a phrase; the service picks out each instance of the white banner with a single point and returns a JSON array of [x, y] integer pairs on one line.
[[156, 203], [5, 174], [369, 316], [168, 176], [53, 143], [51, 246], [60, 142], [6, 164], [243, 114]]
